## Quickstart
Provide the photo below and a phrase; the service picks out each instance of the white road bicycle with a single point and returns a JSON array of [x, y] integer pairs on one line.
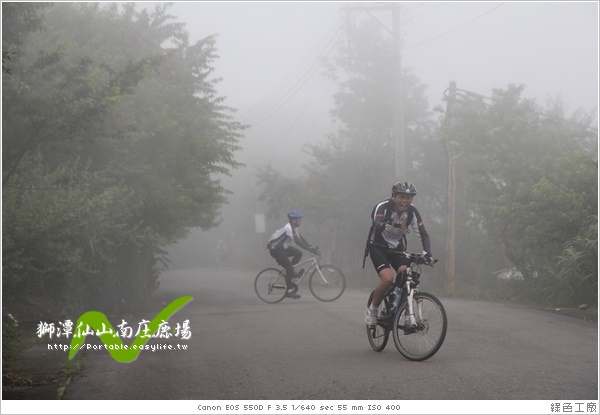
[[416, 319], [326, 282]]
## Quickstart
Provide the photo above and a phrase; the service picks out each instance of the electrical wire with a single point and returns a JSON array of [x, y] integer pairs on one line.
[[453, 30], [318, 94], [437, 59], [292, 84]]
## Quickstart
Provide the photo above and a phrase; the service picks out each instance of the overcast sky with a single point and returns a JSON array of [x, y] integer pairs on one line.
[[551, 47]]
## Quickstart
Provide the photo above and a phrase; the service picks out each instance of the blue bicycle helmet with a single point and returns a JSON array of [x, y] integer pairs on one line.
[[294, 214]]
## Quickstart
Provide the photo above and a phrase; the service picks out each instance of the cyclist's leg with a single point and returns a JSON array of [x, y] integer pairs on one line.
[[282, 259], [399, 264], [295, 253], [381, 262]]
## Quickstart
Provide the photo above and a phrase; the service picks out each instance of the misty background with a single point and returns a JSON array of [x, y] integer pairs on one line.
[[271, 58], [138, 135]]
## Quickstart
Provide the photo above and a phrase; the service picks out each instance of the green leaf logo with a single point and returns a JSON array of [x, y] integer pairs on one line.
[[115, 346]]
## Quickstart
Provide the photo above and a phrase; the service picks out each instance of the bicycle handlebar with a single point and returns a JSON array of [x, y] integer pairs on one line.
[[418, 258]]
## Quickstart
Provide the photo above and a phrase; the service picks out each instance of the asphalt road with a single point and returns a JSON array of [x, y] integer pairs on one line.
[[243, 348]]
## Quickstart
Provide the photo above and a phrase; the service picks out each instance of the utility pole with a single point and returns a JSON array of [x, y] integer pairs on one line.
[[451, 149], [398, 101]]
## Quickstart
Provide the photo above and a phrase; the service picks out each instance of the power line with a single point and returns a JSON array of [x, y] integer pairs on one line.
[[293, 77], [483, 98], [292, 84], [296, 87], [317, 95], [437, 59], [453, 30]]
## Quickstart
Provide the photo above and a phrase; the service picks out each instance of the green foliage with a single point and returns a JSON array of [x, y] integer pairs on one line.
[[12, 344], [113, 141], [62, 229], [573, 280], [6, 58], [18, 22], [527, 179], [283, 193]]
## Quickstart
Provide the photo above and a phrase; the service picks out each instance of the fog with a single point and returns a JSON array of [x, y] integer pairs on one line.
[[121, 132], [120, 135], [269, 64], [551, 47]]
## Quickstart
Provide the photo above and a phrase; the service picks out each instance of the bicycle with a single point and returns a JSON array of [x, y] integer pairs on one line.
[[326, 282], [416, 319]]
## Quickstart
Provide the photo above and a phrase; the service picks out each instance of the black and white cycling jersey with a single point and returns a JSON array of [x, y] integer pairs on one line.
[[395, 237]]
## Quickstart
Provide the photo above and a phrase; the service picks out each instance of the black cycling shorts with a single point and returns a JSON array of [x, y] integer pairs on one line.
[[382, 258]]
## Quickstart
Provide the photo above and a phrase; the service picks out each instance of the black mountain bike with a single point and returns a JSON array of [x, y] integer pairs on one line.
[[416, 319]]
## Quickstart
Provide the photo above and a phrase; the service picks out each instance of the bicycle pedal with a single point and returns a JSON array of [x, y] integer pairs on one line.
[[410, 330]]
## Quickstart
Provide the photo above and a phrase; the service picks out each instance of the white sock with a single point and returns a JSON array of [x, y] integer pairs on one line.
[[372, 308]]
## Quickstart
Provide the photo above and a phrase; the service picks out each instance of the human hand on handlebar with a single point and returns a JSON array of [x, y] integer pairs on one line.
[[428, 259]]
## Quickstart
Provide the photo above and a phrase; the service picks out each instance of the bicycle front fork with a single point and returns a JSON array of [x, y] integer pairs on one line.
[[409, 299]]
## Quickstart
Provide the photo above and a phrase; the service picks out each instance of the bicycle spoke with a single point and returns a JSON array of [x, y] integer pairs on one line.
[[270, 285], [327, 283], [423, 340]]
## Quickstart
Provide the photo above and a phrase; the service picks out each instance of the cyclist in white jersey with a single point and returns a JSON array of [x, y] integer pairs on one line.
[[280, 249]]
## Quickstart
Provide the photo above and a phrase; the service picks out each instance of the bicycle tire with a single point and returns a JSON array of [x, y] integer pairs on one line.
[[379, 335], [331, 287], [430, 332], [270, 285]]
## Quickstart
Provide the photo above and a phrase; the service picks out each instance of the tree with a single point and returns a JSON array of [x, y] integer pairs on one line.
[[573, 279], [112, 147], [354, 167], [528, 177]]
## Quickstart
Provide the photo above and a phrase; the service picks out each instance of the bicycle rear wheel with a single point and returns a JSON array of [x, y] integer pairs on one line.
[[378, 336], [423, 340], [328, 284], [270, 285]]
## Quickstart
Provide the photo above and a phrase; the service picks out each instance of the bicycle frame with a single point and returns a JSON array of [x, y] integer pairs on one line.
[[308, 271], [411, 288]]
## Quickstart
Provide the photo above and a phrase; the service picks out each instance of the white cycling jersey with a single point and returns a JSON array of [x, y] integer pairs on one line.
[[283, 237]]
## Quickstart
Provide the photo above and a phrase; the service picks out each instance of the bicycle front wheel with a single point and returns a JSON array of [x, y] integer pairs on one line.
[[378, 336], [327, 283], [270, 285], [423, 340]]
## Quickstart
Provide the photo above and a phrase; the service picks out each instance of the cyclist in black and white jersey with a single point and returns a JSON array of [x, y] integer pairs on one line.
[[280, 249], [389, 233]]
